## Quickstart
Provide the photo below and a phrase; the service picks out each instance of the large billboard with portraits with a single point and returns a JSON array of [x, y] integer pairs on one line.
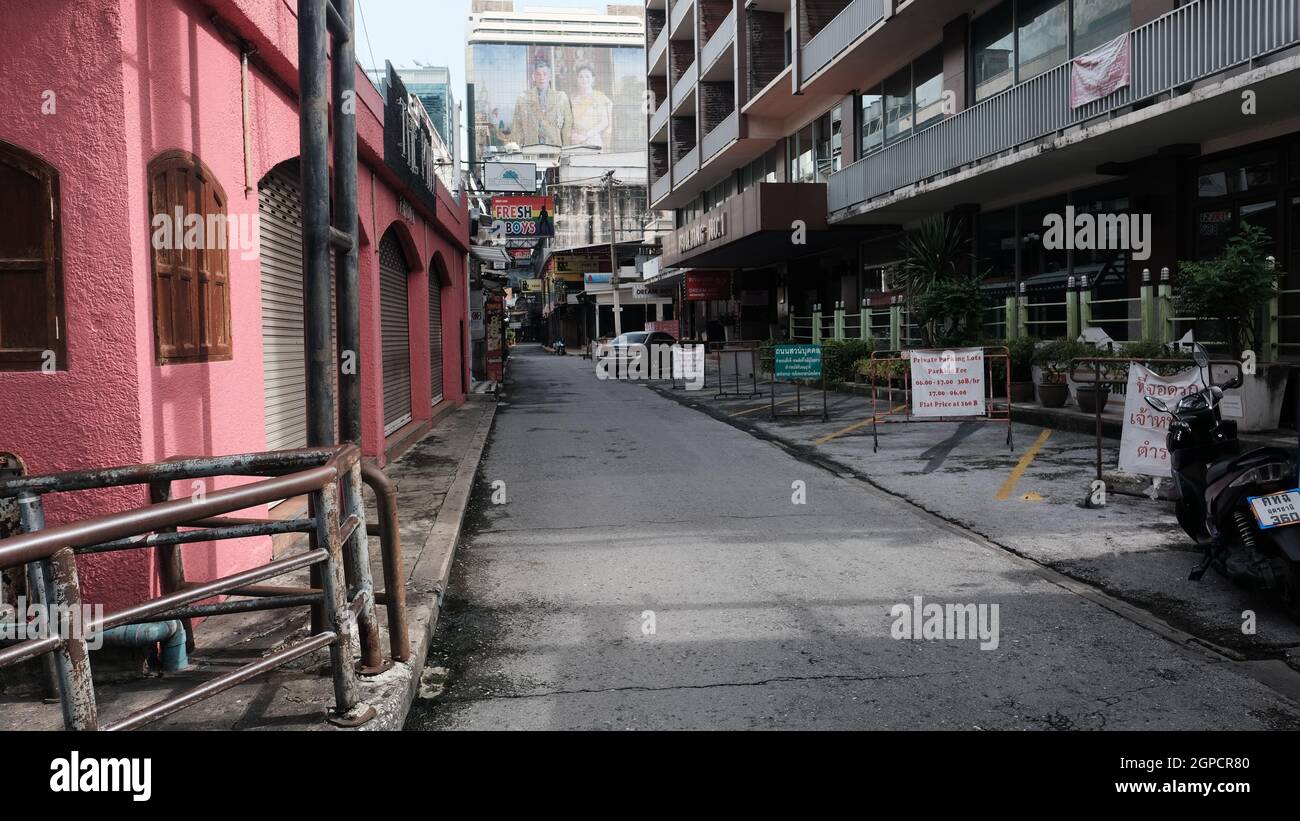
[[557, 95]]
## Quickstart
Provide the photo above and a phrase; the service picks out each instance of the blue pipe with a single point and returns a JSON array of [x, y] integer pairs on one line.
[[171, 634]]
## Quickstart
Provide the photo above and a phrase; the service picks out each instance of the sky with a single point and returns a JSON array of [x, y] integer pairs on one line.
[[428, 31]]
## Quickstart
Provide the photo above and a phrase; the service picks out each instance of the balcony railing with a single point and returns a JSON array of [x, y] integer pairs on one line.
[[687, 165], [723, 133], [847, 26], [658, 46], [658, 118], [1188, 44], [685, 85], [719, 41], [680, 9], [660, 188]]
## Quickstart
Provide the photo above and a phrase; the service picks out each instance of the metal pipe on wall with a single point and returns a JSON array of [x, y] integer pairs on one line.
[[345, 220], [313, 134]]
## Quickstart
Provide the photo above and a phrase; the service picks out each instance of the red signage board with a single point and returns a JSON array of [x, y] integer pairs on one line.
[[707, 285]]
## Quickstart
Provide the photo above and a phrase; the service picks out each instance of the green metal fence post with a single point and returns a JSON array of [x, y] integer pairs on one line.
[[1148, 307], [1164, 316], [1272, 329], [1085, 305], [895, 325], [837, 324], [1072, 315], [1011, 312], [864, 332], [1022, 312], [817, 324]]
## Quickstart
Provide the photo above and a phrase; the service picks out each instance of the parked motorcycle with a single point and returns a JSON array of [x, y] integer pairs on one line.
[[1242, 508], [559, 347]]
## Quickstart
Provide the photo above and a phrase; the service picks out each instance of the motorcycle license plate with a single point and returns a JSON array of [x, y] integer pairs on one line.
[[1276, 509]]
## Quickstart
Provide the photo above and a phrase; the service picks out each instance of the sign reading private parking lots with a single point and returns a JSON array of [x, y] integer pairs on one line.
[[798, 361], [948, 383]]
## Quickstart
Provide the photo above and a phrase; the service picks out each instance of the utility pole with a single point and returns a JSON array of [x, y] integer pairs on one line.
[[613, 253]]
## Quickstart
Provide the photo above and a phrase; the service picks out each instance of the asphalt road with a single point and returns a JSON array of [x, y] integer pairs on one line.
[[650, 567]]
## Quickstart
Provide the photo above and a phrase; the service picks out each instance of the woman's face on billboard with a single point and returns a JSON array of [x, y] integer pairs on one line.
[[586, 79]]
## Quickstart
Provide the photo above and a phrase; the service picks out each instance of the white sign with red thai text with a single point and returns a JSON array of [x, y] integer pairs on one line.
[[1142, 442], [948, 383], [1101, 72]]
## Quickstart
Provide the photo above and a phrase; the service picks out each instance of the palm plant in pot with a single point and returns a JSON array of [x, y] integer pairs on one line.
[[1053, 361], [942, 283]]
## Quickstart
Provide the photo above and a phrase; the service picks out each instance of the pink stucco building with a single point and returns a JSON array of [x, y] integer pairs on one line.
[[106, 105]]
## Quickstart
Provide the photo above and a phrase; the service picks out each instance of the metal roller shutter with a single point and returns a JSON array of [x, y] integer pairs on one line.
[[435, 335], [284, 361], [395, 332]]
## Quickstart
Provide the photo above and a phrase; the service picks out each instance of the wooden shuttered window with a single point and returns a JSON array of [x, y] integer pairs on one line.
[[190, 260], [32, 329]]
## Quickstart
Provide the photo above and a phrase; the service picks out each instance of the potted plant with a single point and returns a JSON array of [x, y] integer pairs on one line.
[[1021, 351], [1231, 291], [1090, 394], [1053, 360]]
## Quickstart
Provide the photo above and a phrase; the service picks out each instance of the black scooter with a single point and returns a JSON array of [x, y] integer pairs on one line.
[[1241, 508]]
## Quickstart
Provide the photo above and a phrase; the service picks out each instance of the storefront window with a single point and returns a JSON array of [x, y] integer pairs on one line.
[[1237, 176], [1037, 259], [1213, 227], [1105, 266], [898, 104], [1043, 28], [927, 73], [1097, 22], [993, 44], [996, 243], [871, 122], [1263, 215]]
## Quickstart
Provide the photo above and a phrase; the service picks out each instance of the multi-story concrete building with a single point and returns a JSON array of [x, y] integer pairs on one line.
[[860, 118], [564, 89]]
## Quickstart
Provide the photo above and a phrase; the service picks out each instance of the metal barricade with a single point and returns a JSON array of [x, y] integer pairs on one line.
[[894, 367], [331, 478]]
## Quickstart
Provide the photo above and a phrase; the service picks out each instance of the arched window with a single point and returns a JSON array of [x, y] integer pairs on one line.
[[190, 261], [33, 334]]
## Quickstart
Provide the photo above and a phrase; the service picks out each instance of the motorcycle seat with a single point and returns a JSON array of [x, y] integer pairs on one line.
[[1246, 461]]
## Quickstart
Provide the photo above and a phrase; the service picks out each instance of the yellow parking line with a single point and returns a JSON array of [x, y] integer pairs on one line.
[[767, 406], [863, 423], [1009, 485]]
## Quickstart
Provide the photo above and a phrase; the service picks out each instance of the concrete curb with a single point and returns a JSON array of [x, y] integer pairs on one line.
[[426, 585]]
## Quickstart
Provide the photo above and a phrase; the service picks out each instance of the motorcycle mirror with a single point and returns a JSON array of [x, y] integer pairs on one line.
[[1157, 403], [1200, 356]]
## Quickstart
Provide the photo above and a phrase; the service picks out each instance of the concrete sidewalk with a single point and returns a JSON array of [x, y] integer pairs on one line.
[[1027, 500], [434, 480]]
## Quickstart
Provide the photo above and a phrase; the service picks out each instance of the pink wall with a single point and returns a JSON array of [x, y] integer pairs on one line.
[[132, 81]]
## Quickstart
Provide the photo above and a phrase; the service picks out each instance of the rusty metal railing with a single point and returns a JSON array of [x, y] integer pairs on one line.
[[338, 550]]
